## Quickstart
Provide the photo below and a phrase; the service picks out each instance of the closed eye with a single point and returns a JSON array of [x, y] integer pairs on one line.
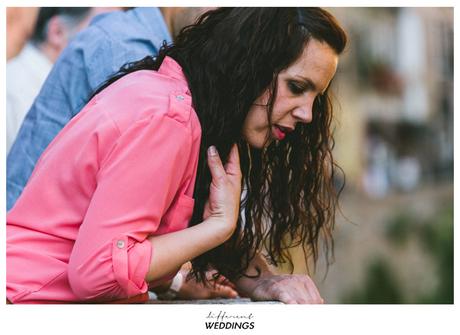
[[296, 88]]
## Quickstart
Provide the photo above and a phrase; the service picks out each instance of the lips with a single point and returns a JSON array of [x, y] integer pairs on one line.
[[281, 131]]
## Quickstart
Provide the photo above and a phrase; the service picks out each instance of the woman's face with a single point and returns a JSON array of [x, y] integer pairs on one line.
[[298, 86]]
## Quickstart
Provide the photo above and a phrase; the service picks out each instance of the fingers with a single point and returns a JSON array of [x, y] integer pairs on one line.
[[289, 289], [220, 286], [224, 281], [215, 164], [286, 298], [232, 167], [233, 164], [222, 291], [311, 288]]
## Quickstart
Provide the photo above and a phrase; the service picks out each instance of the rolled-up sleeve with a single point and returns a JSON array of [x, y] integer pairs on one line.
[[136, 183]]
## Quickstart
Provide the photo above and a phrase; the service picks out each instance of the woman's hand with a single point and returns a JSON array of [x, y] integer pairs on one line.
[[217, 288], [221, 215], [290, 289], [193, 289], [225, 190]]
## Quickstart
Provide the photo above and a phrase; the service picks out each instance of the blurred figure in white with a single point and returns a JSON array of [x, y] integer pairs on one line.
[[376, 178], [26, 72]]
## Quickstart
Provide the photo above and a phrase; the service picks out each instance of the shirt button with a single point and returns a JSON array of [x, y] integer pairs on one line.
[[179, 97], [120, 244]]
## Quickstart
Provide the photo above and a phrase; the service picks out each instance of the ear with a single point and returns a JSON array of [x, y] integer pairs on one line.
[[57, 33]]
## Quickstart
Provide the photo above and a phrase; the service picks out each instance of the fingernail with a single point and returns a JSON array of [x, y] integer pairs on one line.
[[212, 151]]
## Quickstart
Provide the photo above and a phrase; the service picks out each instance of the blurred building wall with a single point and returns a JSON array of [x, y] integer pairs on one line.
[[395, 96]]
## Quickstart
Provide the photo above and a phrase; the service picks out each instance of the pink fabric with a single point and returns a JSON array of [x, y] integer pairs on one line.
[[123, 169]]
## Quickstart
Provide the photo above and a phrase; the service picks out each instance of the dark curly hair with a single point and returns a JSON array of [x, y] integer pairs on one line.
[[230, 56]]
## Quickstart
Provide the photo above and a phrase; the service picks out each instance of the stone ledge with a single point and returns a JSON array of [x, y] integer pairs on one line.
[[211, 301]]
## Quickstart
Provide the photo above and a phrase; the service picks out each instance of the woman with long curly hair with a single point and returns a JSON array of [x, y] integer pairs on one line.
[[216, 149]]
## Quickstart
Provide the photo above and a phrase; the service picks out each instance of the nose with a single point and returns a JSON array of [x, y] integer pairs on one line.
[[303, 111]]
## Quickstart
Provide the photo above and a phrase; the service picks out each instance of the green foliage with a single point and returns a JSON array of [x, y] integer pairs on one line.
[[380, 286], [436, 237], [399, 229]]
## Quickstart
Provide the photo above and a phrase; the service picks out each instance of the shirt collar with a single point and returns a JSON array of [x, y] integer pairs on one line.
[[172, 69]]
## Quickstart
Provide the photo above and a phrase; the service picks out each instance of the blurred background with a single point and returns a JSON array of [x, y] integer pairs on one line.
[[394, 141], [35, 38]]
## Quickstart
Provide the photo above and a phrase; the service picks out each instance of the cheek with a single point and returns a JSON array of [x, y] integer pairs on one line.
[[257, 116], [281, 107], [256, 119]]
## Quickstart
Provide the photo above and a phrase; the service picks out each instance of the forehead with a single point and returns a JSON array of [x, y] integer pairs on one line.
[[318, 62]]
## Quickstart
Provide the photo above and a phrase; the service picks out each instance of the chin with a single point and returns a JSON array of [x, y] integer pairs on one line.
[[257, 140], [258, 143], [257, 146]]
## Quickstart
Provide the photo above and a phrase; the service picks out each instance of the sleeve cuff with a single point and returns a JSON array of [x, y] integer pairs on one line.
[[131, 260]]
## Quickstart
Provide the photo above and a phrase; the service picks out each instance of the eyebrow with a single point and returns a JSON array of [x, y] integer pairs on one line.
[[310, 83]]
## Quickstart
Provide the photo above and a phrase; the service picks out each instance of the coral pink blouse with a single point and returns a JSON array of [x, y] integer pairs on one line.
[[123, 169]]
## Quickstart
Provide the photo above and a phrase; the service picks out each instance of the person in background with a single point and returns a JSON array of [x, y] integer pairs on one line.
[[111, 40], [20, 22], [26, 72]]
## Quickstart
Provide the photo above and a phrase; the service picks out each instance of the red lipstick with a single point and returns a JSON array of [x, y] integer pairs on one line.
[[279, 134]]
